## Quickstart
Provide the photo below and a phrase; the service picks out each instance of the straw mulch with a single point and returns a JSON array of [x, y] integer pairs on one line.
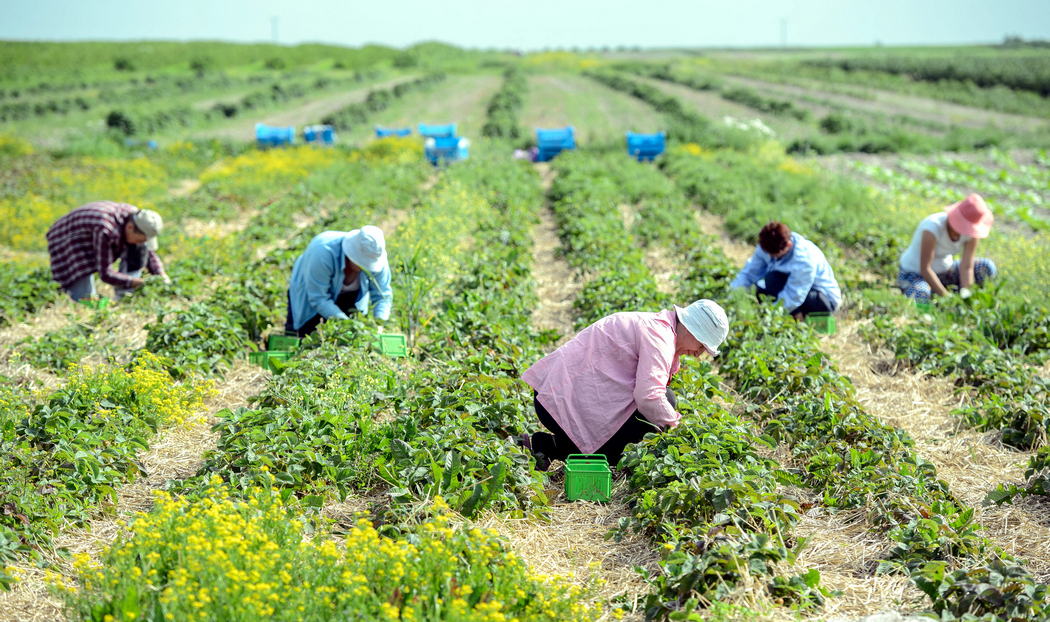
[[572, 545], [972, 463]]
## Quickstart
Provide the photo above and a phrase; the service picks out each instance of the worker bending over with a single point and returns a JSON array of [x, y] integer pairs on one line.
[[792, 269], [607, 387], [92, 237], [339, 273]]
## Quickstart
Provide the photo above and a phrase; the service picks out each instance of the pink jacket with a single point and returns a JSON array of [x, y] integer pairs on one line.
[[593, 384]]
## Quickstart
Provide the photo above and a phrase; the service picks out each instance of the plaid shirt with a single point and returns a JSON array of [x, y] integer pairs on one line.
[[90, 239]]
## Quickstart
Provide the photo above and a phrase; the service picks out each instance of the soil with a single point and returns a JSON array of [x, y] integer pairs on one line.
[[556, 282]]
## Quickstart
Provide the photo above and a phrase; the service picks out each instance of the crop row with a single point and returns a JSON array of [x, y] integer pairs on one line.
[[1017, 206], [842, 131], [1028, 72], [378, 100], [502, 112]]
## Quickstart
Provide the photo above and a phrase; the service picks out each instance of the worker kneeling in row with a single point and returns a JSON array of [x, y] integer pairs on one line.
[[790, 268], [928, 264], [607, 387], [339, 273]]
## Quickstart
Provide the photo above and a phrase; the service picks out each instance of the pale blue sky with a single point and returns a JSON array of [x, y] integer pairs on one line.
[[532, 24]]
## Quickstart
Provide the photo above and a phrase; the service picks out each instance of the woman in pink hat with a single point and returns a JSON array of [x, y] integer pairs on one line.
[[928, 265]]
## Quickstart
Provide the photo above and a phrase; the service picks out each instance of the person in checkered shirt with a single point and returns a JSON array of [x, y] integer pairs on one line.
[[92, 237]]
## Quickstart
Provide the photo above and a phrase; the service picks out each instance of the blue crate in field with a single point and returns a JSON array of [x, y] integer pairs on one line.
[[447, 149], [554, 141], [437, 131], [129, 142], [383, 132], [274, 136], [319, 134], [646, 146]]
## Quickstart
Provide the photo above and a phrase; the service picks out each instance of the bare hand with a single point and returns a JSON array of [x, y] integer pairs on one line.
[[137, 283]]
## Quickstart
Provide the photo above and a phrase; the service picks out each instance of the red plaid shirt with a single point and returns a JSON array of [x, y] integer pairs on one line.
[[90, 239]]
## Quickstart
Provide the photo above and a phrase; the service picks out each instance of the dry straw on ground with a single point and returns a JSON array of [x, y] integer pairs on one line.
[[972, 463]]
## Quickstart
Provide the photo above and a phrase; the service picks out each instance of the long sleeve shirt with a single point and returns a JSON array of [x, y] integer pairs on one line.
[[594, 383], [90, 239], [806, 267], [317, 280]]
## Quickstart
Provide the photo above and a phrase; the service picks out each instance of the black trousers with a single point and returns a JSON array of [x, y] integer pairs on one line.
[[345, 302], [556, 445], [815, 302]]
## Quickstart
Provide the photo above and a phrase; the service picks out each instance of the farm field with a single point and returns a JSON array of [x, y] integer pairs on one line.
[[597, 113], [149, 471]]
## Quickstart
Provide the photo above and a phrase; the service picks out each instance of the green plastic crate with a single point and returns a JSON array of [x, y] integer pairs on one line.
[[282, 343], [264, 359], [822, 322], [98, 303], [392, 344], [587, 477]]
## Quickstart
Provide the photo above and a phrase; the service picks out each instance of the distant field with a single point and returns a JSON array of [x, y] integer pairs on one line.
[[598, 113], [460, 99]]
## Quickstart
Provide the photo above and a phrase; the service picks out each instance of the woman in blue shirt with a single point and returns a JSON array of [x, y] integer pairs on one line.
[[792, 269], [339, 271]]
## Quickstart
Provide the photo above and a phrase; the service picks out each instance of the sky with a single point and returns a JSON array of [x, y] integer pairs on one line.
[[533, 24]]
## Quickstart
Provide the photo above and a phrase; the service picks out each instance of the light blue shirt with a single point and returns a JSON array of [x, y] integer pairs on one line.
[[806, 267], [317, 279]]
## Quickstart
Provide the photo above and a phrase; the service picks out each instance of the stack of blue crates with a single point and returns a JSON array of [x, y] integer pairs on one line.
[[552, 142], [319, 135], [443, 144], [383, 132], [274, 136], [645, 147]]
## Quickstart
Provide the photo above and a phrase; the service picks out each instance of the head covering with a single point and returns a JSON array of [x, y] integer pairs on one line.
[[150, 223], [706, 321], [366, 248], [971, 217]]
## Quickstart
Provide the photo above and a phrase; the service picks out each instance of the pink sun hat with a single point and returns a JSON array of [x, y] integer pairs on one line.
[[971, 217]]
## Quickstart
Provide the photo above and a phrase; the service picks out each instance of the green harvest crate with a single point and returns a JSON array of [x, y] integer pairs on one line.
[[282, 343], [587, 477], [392, 344], [262, 359], [821, 322], [98, 303]]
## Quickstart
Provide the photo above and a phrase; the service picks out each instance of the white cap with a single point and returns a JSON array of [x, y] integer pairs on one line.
[[149, 223], [706, 321], [366, 248]]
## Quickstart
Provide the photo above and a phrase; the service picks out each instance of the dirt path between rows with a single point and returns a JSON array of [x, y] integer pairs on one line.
[[557, 284], [972, 463]]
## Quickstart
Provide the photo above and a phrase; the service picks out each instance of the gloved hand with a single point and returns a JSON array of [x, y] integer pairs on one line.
[[964, 292]]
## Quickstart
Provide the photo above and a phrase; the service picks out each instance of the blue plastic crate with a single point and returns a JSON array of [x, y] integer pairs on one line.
[[274, 136], [437, 131], [319, 134], [447, 149], [646, 146], [553, 141], [383, 132]]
